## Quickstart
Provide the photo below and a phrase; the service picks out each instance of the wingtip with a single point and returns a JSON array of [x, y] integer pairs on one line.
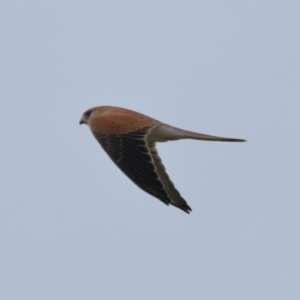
[[188, 211], [186, 208]]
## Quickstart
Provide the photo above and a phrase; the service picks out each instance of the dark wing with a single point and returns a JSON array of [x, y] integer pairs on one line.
[[141, 163]]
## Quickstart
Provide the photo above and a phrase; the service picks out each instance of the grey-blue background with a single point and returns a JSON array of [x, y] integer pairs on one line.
[[72, 226]]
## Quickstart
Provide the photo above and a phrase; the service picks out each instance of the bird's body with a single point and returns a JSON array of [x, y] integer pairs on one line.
[[129, 138]]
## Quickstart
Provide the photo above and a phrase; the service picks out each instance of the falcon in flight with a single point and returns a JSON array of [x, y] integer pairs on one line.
[[129, 138]]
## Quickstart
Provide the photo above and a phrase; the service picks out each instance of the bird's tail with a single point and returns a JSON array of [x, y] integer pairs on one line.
[[205, 137], [163, 133]]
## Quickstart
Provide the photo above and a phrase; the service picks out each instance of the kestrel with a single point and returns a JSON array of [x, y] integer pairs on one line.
[[129, 138]]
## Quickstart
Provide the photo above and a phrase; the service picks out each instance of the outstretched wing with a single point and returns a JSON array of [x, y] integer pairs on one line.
[[141, 163]]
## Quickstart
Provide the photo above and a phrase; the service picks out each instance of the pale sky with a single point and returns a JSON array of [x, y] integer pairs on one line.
[[72, 226]]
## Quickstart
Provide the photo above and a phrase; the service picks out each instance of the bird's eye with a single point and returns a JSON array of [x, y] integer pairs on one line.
[[88, 113]]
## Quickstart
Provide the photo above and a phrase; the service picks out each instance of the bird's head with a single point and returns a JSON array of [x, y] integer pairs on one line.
[[95, 112], [86, 115]]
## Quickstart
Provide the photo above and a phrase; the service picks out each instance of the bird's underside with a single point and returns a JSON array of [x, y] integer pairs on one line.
[[129, 139]]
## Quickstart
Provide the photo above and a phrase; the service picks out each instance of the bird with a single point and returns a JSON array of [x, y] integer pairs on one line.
[[129, 138]]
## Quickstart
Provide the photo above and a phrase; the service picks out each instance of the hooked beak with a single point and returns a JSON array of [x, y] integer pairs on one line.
[[82, 120]]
